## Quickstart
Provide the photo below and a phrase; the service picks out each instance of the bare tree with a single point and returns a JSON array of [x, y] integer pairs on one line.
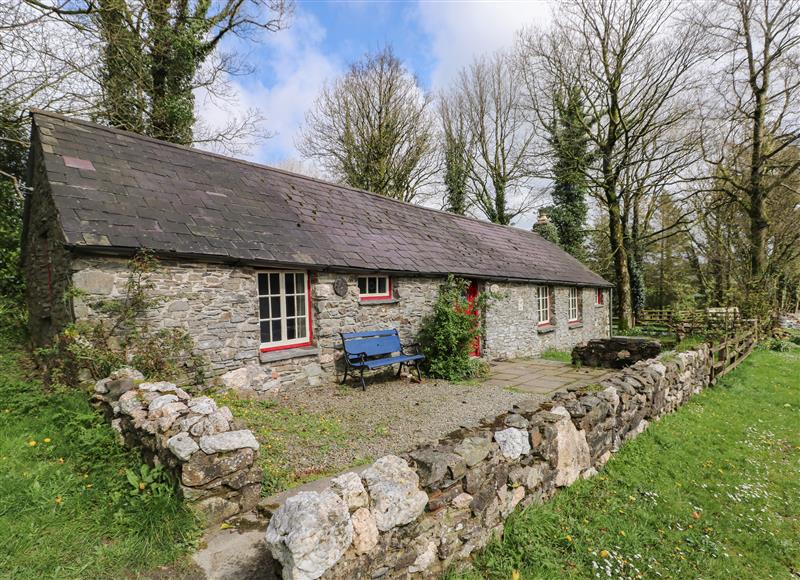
[[498, 136], [755, 117], [373, 129], [631, 61]]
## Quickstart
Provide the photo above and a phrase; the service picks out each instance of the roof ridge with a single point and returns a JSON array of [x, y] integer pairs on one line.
[[131, 134]]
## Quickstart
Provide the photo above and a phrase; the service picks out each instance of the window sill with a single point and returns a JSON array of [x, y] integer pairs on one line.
[[575, 324], [545, 329], [288, 354], [376, 301]]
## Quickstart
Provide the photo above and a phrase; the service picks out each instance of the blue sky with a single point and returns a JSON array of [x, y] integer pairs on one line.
[[434, 39]]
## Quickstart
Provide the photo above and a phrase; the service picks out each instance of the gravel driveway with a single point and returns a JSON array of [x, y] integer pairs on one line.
[[318, 431]]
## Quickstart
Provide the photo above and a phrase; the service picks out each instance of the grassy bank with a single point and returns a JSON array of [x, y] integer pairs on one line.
[[73, 503], [711, 491]]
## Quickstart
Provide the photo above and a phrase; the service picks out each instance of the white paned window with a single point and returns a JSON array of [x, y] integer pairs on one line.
[[574, 304], [374, 287], [283, 310], [543, 305]]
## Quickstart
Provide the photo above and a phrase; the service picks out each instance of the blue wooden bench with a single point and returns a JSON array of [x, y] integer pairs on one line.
[[374, 349]]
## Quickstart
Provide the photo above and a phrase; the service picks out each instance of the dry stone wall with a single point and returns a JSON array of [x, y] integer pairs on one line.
[[214, 462], [417, 514]]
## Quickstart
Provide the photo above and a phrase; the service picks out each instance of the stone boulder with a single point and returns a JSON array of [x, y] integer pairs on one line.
[[572, 450], [394, 493], [309, 533], [348, 486], [228, 441], [513, 442]]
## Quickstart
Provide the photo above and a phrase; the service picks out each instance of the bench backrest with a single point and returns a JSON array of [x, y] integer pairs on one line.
[[372, 343]]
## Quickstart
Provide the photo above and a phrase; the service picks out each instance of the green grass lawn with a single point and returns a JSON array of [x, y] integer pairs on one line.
[[711, 491], [557, 355], [67, 506]]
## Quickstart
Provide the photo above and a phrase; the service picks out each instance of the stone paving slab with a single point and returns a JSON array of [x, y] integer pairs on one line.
[[541, 376]]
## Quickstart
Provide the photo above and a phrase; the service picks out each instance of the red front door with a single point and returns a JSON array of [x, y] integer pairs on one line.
[[472, 296]]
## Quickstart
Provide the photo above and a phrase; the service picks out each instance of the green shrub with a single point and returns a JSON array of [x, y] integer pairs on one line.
[[448, 335]]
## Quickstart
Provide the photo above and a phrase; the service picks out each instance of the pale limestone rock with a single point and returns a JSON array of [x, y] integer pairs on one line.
[[394, 493], [101, 386], [203, 405], [126, 373], [348, 486], [182, 446], [638, 430], [513, 442], [129, 403], [229, 441], [572, 450], [159, 387], [425, 558], [462, 501], [309, 533], [159, 402], [365, 531]]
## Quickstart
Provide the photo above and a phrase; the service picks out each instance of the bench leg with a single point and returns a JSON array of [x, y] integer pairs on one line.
[[363, 384], [344, 378], [399, 370], [419, 375]]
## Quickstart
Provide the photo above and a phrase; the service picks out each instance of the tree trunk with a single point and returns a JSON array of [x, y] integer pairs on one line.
[[617, 239]]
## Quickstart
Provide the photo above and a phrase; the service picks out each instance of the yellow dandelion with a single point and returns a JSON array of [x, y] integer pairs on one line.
[[568, 538], [141, 486], [32, 443], [515, 575], [58, 500], [89, 485], [622, 532], [46, 439], [604, 553], [61, 460]]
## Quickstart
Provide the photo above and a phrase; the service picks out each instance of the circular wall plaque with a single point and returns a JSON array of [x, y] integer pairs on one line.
[[340, 286]]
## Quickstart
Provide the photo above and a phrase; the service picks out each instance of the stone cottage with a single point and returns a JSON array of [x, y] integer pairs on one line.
[[264, 268]]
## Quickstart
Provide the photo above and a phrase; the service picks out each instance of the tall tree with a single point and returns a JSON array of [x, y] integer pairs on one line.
[[570, 148], [500, 141], [630, 62], [455, 149], [755, 117], [373, 129], [155, 54]]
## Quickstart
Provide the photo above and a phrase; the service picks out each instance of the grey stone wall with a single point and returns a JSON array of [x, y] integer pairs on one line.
[[511, 322], [413, 299], [46, 262], [213, 461], [418, 514], [218, 305]]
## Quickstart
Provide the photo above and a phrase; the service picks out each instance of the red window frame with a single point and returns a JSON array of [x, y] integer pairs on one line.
[[308, 312], [600, 300], [383, 296]]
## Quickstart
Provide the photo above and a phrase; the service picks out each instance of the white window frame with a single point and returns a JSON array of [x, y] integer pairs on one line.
[[574, 310], [375, 295], [284, 343], [543, 305]]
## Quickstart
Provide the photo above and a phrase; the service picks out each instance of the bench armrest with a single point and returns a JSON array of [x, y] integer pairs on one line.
[[414, 345], [362, 356]]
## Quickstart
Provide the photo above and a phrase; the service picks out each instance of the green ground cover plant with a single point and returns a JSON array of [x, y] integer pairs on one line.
[[73, 502], [557, 355], [710, 491]]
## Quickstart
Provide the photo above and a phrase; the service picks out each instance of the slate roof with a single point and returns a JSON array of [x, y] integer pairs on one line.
[[139, 192]]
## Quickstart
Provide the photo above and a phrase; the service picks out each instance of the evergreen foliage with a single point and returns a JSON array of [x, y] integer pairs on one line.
[[570, 145], [449, 333]]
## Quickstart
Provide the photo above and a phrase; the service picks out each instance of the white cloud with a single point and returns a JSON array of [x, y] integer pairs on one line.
[[461, 30], [297, 68]]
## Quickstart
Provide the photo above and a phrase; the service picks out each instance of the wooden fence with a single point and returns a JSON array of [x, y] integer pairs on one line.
[[733, 347]]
